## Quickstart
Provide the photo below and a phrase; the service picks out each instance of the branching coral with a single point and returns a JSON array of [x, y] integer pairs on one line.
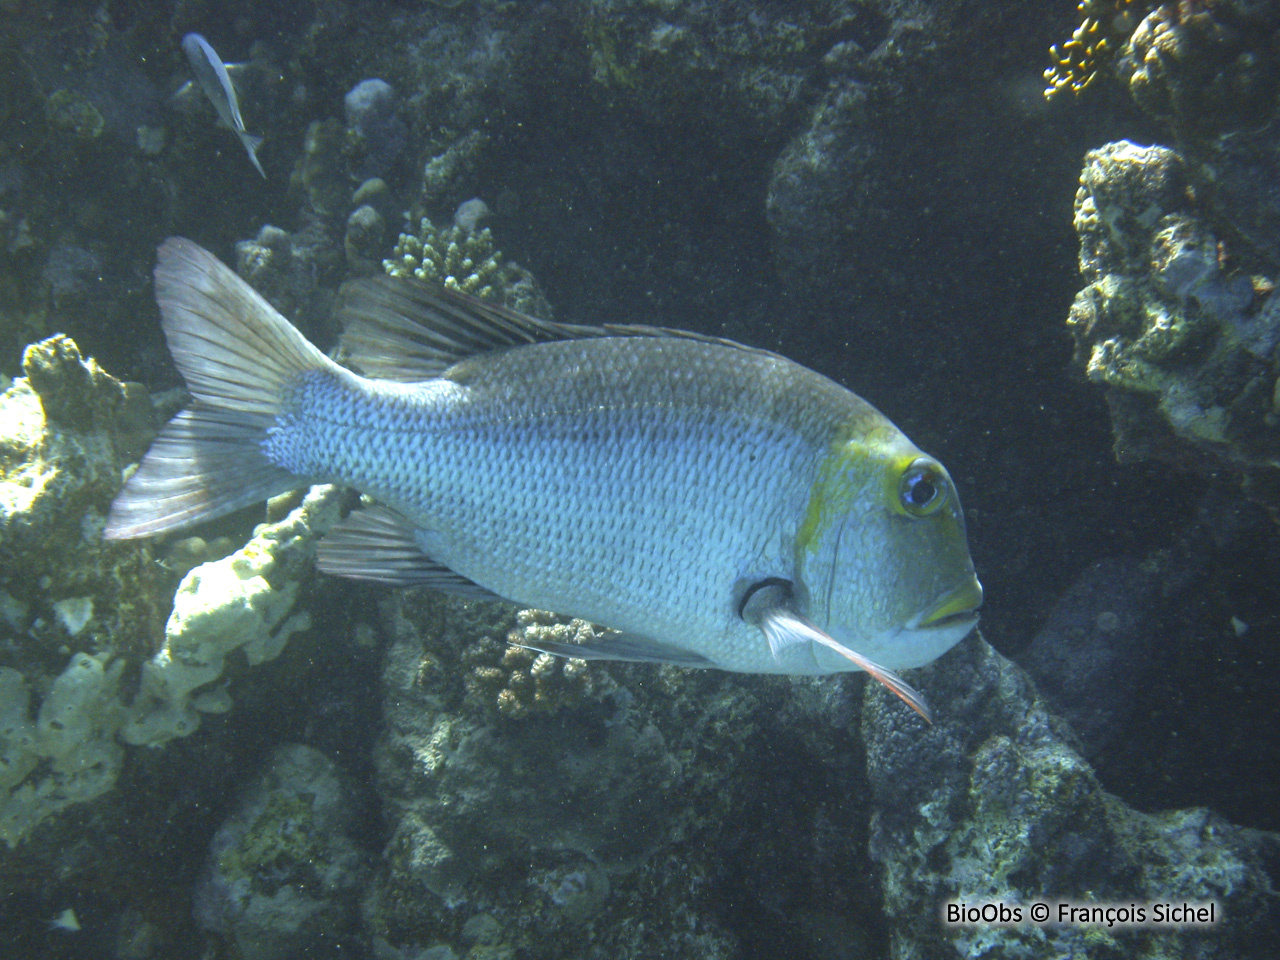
[[467, 261], [450, 257], [1104, 27], [518, 681], [1203, 65]]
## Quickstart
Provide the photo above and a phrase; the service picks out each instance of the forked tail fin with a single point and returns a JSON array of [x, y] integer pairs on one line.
[[251, 144], [240, 359]]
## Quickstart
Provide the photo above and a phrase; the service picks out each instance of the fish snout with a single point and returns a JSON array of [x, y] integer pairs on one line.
[[958, 605]]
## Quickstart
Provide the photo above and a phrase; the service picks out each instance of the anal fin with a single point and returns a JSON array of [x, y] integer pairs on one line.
[[376, 543]]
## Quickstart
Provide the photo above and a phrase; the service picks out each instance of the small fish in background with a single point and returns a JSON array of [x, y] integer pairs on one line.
[[212, 78], [66, 921], [718, 506]]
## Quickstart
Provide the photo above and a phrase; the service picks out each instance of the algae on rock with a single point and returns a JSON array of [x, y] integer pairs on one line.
[[284, 875], [568, 815]]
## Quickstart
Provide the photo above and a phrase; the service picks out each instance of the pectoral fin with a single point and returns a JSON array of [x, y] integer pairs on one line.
[[769, 607]]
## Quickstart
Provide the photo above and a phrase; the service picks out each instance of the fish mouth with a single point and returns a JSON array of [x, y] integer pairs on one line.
[[955, 607]]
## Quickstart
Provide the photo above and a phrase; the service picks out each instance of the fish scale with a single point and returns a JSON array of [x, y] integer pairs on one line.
[[620, 468]]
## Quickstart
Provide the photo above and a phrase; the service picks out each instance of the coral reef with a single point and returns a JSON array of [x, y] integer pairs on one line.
[[294, 271], [559, 834], [538, 807], [466, 260], [993, 804], [71, 741], [363, 241], [244, 602], [1184, 342], [284, 874], [70, 605], [323, 169], [1161, 661], [375, 132]]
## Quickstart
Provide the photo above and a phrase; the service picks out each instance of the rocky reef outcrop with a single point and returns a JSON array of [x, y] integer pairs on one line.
[[284, 874], [1180, 248], [994, 805], [1173, 325]]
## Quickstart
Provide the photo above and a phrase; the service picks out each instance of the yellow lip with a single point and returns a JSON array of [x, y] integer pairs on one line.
[[964, 599]]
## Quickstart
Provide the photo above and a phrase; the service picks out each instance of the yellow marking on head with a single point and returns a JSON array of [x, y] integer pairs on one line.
[[841, 478]]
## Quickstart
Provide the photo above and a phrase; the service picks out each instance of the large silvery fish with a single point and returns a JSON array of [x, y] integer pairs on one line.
[[720, 506], [211, 75]]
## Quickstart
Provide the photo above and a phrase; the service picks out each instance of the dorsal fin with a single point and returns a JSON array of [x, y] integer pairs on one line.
[[398, 328]]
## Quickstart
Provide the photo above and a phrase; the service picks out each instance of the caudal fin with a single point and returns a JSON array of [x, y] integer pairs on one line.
[[240, 359], [251, 144]]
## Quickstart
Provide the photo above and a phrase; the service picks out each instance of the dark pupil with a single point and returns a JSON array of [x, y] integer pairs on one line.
[[920, 491]]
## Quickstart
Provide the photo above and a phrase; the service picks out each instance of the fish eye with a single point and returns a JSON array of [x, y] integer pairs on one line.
[[923, 488]]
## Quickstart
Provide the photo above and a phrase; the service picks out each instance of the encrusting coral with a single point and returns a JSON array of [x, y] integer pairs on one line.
[[77, 615], [242, 602], [70, 608]]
